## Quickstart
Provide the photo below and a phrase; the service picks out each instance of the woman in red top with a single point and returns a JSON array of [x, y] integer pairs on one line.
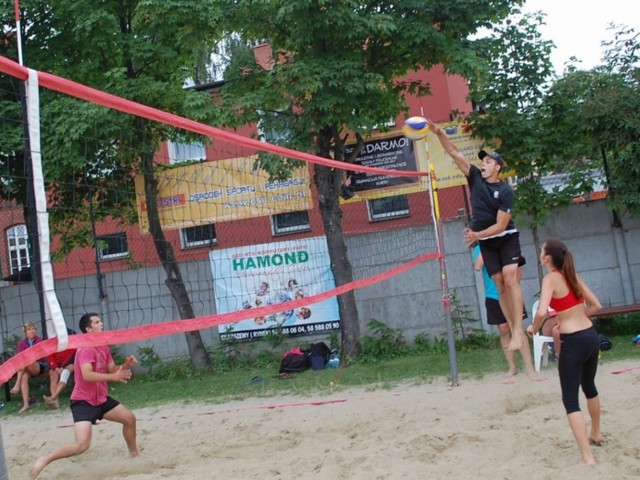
[[565, 292]]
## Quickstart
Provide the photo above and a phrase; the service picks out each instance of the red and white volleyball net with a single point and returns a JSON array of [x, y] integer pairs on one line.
[[250, 250]]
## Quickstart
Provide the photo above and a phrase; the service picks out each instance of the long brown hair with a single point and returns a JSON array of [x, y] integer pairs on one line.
[[562, 259]]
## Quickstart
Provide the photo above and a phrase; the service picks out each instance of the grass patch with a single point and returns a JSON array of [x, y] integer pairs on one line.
[[415, 367]]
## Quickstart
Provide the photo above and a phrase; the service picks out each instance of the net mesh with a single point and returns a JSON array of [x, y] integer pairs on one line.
[[250, 250]]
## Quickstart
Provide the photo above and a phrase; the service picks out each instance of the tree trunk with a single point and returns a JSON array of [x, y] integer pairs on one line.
[[329, 182], [174, 281]]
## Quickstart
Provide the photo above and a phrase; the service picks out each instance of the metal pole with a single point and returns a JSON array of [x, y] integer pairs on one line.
[[4, 474], [446, 297]]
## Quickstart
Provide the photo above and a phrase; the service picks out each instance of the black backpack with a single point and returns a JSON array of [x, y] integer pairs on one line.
[[320, 354], [295, 361], [605, 343]]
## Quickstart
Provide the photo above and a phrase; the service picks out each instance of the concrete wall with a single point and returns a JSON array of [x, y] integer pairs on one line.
[[607, 258]]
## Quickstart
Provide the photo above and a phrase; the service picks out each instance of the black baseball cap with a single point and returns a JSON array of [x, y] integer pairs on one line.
[[495, 155]]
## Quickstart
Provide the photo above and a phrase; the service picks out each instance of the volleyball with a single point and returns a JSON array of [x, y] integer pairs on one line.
[[415, 128]]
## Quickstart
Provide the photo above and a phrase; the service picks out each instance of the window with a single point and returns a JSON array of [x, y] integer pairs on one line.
[[388, 207], [198, 236], [290, 222], [183, 152], [18, 242], [112, 246], [274, 127]]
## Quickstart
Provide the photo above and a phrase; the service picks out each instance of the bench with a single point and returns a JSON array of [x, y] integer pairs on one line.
[[618, 310]]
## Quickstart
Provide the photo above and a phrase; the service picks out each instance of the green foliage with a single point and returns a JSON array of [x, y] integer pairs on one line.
[[116, 353], [462, 319], [478, 340], [334, 340], [10, 344], [628, 324], [422, 343], [156, 368], [515, 117], [383, 342], [144, 52]]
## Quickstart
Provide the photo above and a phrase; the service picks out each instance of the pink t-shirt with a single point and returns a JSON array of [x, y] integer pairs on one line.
[[94, 393]]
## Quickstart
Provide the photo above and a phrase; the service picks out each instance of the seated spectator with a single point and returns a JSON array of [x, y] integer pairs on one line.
[[60, 370], [36, 368]]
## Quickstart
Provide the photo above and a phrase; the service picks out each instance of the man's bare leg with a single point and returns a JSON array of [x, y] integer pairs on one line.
[[511, 298], [505, 338], [82, 443], [123, 415]]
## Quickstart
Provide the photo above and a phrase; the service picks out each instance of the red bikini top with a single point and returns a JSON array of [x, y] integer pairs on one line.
[[566, 302]]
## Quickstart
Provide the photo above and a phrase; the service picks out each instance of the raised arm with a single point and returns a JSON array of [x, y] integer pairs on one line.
[[461, 161]]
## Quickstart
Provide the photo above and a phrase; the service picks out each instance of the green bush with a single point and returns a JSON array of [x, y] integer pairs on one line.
[[628, 324], [384, 343]]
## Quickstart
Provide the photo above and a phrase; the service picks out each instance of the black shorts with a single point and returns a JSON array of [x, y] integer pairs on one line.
[[500, 251], [85, 412], [494, 312]]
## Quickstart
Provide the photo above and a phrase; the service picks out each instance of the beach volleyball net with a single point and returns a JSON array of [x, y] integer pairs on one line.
[[164, 225]]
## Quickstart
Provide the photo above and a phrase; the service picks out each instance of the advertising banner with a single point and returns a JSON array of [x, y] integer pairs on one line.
[[220, 191], [255, 276]]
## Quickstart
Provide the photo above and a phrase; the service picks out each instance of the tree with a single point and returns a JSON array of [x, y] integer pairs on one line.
[[533, 130], [142, 50], [606, 111], [338, 72]]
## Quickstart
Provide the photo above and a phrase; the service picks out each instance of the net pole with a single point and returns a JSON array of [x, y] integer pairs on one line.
[[54, 320], [16, 7], [446, 297]]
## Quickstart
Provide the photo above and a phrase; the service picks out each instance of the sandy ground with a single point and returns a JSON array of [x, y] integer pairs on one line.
[[492, 428]]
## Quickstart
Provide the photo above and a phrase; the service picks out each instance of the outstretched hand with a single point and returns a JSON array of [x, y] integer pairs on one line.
[[433, 127], [130, 361], [123, 375]]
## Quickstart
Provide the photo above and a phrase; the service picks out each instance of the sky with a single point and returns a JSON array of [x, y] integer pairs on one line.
[[578, 27]]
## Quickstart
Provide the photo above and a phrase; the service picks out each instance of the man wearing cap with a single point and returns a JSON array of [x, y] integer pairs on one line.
[[493, 227]]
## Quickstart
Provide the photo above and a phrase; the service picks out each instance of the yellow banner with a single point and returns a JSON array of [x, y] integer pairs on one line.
[[447, 173], [220, 191]]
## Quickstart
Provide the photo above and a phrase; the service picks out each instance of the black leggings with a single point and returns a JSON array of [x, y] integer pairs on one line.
[[577, 366]]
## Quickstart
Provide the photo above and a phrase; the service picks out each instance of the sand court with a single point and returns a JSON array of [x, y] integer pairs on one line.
[[491, 428]]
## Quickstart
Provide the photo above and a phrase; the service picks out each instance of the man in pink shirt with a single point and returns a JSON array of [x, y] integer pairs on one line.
[[93, 369]]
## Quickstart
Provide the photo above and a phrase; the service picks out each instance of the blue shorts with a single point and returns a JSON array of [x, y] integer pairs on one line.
[[85, 412]]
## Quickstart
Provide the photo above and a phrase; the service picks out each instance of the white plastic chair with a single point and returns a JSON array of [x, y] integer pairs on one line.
[[540, 343]]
